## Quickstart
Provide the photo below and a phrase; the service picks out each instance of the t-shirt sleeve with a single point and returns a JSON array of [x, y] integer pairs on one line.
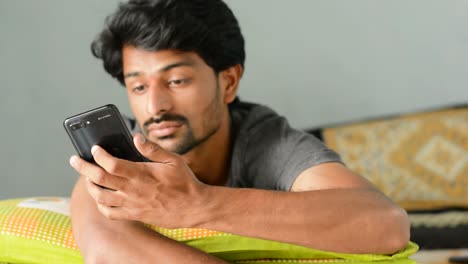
[[276, 154]]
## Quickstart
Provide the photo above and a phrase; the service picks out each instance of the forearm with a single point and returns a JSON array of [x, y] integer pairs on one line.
[[350, 220], [128, 242]]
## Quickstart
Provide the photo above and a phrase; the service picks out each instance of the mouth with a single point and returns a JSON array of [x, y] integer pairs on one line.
[[163, 129]]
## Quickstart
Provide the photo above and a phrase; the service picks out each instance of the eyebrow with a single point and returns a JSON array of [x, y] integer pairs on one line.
[[163, 69]]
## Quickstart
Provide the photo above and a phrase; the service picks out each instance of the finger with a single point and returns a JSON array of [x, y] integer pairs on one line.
[[152, 151], [113, 165], [104, 196], [97, 174]]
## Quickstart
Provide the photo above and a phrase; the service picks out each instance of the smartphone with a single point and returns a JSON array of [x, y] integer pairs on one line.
[[105, 127]]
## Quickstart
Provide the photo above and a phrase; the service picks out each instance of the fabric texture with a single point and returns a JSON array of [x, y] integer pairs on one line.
[[267, 152], [38, 230], [419, 160]]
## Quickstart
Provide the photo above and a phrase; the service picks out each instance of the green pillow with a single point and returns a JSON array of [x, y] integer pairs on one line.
[[38, 230]]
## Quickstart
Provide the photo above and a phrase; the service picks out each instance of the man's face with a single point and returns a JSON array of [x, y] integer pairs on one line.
[[174, 96]]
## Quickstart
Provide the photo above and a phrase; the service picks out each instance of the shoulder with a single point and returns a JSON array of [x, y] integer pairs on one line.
[[252, 118], [257, 123], [270, 152]]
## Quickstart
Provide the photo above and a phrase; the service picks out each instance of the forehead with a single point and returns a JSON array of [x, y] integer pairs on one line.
[[134, 58]]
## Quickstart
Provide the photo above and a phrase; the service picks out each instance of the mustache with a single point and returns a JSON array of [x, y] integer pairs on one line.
[[165, 117]]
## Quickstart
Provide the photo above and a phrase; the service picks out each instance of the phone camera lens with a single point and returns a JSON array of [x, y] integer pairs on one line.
[[77, 126]]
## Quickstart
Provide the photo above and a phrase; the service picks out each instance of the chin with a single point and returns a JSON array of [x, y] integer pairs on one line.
[[166, 143], [169, 144], [176, 143]]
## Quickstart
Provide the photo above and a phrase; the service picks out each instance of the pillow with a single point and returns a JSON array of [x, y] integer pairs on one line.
[[419, 160], [38, 230]]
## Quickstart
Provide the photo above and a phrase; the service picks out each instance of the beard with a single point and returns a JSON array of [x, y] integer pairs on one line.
[[211, 123]]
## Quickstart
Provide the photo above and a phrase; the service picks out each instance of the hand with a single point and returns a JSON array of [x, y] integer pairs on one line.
[[164, 192]]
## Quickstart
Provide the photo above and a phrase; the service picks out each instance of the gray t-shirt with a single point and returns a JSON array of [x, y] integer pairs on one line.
[[269, 154], [266, 152]]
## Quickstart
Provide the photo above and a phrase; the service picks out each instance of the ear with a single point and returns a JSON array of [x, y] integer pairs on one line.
[[229, 82]]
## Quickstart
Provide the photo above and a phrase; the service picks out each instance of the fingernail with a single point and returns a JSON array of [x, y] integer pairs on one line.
[[93, 149], [73, 160]]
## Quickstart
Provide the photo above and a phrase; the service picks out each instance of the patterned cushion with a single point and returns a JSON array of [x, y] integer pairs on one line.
[[419, 160], [38, 230]]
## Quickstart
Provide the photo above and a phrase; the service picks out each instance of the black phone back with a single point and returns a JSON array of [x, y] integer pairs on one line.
[[103, 126]]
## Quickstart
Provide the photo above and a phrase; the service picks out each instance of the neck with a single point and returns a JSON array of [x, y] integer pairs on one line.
[[210, 160]]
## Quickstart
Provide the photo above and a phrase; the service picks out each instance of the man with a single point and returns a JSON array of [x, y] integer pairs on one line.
[[217, 163]]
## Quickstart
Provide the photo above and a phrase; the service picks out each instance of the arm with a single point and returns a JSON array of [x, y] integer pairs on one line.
[[129, 241], [330, 207]]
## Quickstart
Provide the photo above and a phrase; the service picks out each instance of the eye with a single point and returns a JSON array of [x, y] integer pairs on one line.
[[177, 82], [138, 89]]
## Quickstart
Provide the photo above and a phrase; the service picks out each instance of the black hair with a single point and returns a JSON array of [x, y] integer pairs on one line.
[[207, 27]]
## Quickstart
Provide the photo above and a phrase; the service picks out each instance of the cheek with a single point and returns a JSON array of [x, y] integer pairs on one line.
[[204, 96], [208, 112], [137, 105], [133, 102], [189, 102]]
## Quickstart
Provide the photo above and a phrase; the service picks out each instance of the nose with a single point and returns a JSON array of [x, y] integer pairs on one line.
[[158, 100]]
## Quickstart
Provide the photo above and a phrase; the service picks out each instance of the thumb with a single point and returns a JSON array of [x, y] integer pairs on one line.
[[152, 151]]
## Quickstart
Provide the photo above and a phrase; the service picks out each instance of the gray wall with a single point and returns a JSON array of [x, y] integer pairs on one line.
[[316, 62]]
